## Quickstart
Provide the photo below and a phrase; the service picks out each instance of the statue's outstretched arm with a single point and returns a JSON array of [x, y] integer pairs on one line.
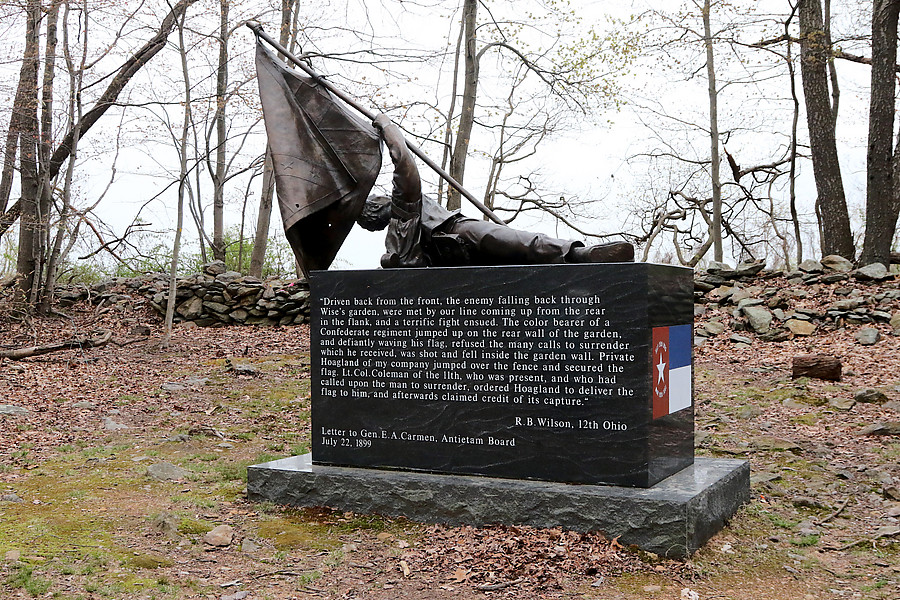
[[403, 239], [407, 186]]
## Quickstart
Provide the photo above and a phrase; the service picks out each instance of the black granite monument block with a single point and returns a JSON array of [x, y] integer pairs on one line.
[[673, 518], [566, 373]]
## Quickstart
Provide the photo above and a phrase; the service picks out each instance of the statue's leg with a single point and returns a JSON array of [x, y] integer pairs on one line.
[[495, 244], [603, 253], [498, 245]]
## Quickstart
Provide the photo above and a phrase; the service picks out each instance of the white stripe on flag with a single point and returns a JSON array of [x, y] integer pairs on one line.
[[679, 388]]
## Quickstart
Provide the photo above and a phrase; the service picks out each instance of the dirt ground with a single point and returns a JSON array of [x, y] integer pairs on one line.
[[82, 518]]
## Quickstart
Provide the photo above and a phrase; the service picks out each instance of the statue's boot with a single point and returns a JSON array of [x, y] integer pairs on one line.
[[602, 253]]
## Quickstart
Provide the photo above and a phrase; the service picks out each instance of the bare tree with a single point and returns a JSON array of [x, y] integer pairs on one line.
[[571, 74], [182, 185], [218, 175], [40, 162], [30, 221], [467, 107], [715, 232], [881, 191], [831, 205], [287, 38], [25, 96]]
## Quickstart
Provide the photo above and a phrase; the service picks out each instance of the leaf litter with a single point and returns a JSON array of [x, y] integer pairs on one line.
[[835, 485]]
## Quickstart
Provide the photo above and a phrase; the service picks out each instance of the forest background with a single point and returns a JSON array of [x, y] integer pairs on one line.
[[700, 129]]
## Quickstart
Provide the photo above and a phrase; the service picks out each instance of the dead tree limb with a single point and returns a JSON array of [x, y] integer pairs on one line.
[[818, 366], [98, 338]]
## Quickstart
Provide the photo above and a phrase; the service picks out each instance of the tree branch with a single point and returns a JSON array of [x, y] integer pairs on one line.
[[118, 83], [101, 337]]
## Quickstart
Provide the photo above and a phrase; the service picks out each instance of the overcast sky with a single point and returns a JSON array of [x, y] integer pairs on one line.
[[593, 159]]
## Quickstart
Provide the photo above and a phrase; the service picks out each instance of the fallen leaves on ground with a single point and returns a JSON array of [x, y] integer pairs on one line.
[[491, 558]]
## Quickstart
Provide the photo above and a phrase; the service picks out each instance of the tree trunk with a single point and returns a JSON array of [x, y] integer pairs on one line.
[[182, 184], [264, 215], [814, 56], [218, 245], [467, 107], [29, 223], [881, 209], [832, 70], [57, 254], [263, 219], [25, 93], [716, 229], [45, 255], [819, 366], [792, 187], [100, 337], [448, 127], [49, 253]]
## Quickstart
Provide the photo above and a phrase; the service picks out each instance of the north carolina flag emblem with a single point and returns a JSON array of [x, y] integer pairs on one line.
[[670, 369]]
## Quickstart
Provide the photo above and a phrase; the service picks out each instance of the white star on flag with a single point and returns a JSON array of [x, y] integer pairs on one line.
[[661, 367]]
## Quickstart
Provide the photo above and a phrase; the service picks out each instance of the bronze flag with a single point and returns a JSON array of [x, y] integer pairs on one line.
[[326, 159]]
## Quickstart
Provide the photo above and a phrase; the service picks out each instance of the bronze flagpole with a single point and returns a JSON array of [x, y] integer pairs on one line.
[[258, 30]]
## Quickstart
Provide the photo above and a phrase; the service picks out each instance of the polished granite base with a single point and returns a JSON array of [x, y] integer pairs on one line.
[[673, 518]]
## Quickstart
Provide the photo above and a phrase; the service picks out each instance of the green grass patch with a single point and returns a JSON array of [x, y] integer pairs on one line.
[[23, 577], [291, 394], [195, 499], [315, 530], [807, 419], [148, 561], [188, 526], [125, 399], [891, 452], [237, 471], [780, 521], [806, 541]]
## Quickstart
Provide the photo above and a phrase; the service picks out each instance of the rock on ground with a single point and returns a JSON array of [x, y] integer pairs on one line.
[[867, 336], [166, 472], [873, 272], [220, 536], [837, 263], [802, 328], [110, 425], [870, 396], [889, 428], [842, 403], [760, 318]]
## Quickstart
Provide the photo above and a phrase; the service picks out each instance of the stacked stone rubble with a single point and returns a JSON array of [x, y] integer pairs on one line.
[[737, 301], [775, 306], [214, 296]]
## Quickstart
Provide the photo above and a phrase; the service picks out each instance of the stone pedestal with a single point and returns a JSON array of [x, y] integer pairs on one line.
[[673, 518], [504, 395]]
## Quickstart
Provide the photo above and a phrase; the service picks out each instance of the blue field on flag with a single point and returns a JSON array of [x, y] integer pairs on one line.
[[680, 379]]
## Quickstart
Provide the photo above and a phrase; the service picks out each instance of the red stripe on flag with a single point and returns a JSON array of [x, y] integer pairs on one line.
[[659, 371]]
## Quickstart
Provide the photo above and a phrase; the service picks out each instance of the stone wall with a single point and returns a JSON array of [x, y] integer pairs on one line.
[[742, 300], [214, 296], [776, 306]]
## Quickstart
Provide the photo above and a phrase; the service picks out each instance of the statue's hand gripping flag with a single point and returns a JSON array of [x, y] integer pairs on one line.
[[325, 159]]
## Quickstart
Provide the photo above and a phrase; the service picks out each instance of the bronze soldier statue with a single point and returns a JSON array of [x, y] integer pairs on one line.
[[421, 232], [326, 159]]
